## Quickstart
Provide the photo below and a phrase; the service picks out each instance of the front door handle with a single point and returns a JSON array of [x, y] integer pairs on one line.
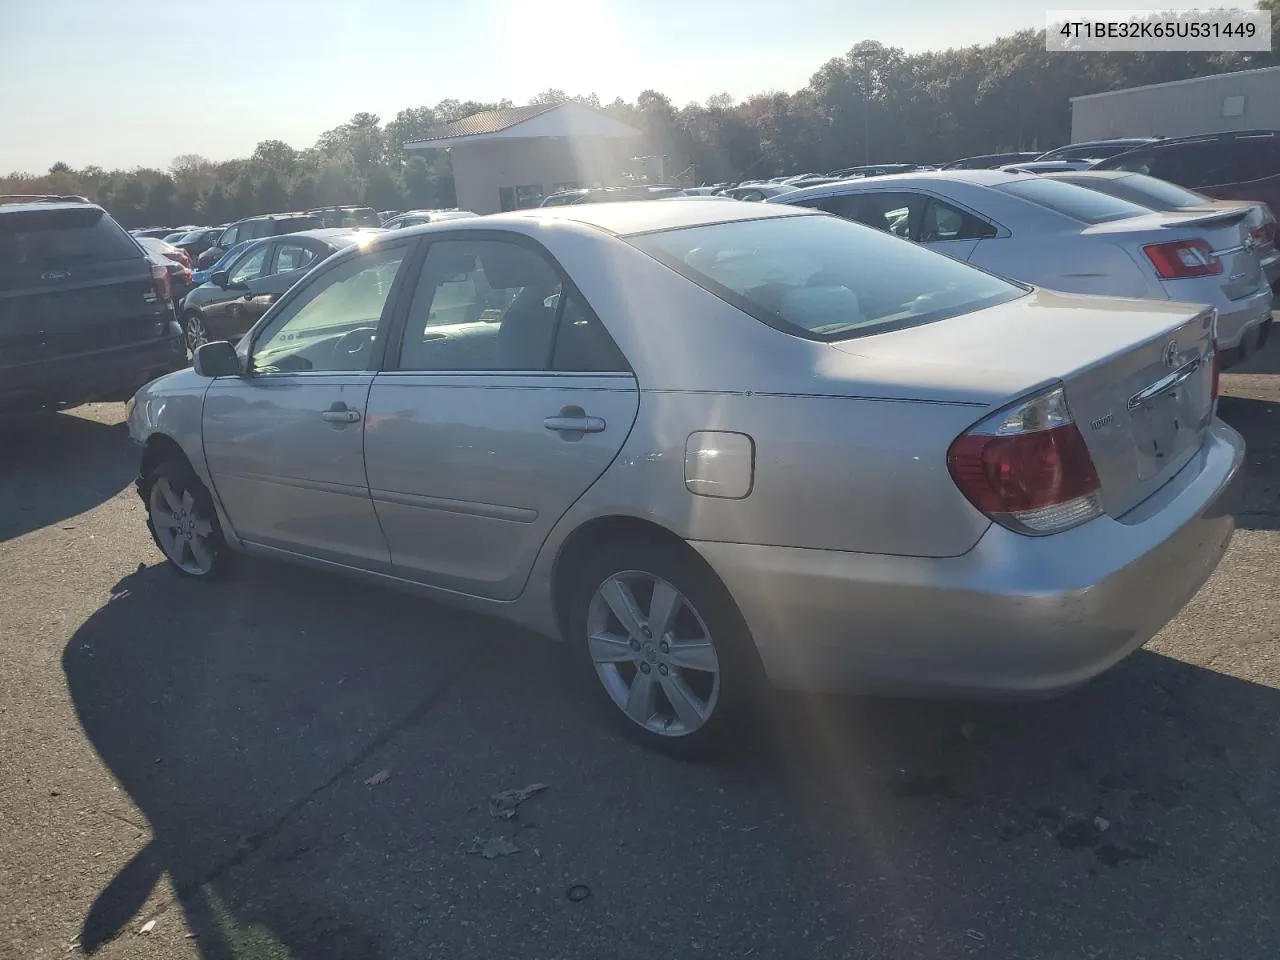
[[340, 413], [579, 424]]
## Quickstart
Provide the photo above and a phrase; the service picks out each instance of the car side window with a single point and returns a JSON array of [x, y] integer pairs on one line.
[[230, 237], [944, 222], [896, 213], [1143, 161], [582, 342], [332, 325], [845, 205], [250, 266], [293, 256], [482, 305]]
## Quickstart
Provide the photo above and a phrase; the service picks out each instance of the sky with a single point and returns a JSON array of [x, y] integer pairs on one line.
[[124, 83]]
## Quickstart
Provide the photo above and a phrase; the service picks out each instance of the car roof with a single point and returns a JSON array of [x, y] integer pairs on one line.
[[48, 205], [981, 178], [1090, 174], [622, 219]]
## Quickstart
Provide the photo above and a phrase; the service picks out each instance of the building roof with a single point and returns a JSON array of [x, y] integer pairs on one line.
[[557, 120], [1233, 75]]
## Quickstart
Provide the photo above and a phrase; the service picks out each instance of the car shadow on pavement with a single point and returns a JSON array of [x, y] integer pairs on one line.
[[89, 462], [314, 759]]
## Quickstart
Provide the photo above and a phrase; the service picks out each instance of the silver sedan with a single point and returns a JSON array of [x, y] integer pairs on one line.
[[1065, 237], [713, 445]]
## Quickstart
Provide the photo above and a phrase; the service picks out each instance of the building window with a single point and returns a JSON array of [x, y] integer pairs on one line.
[[562, 187], [506, 199], [528, 195]]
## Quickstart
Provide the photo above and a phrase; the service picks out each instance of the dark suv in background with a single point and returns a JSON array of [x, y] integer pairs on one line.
[[255, 228], [1227, 166], [84, 312]]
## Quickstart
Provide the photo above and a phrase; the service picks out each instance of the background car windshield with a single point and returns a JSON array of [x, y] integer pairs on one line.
[[40, 239], [823, 277], [1078, 203]]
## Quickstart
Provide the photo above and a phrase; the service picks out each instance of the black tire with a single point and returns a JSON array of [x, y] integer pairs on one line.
[[187, 318], [182, 478], [741, 683]]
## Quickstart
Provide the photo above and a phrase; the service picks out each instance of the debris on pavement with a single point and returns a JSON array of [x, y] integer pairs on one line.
[[578, 892], [975, 935], [379, 778], [493, 848], [969, 730], [147, 927], [1101, 824], [504, 803]]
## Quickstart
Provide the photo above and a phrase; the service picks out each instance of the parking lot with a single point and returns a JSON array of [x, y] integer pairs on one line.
[[197, 755]]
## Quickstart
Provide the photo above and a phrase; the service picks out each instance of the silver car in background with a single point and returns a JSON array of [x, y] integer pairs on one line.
[[711, 444], [1160, 194], [1064, 237]]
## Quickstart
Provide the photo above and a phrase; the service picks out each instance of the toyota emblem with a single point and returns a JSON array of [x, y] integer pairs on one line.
[[1171, 354]]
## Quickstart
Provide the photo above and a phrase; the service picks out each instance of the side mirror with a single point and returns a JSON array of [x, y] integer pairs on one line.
[[219, 279], [217, 359]]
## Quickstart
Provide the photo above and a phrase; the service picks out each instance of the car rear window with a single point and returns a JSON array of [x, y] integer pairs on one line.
[[1163, 191], [824, 278], [58, 238], [1079, 203]]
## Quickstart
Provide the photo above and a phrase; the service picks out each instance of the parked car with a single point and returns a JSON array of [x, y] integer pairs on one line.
[[1095, 150], [84, 312], [872, 170], [234, 297], [197, 241], [1162, 195], [1226, 166], [758, 191], [158, 233], [1047, 166], [1065, 237], [385, 215], [202, 276], [990, 161], [175, 261], [255, 228], [903, 475], [611, 194], [347, 216], [414, 218]]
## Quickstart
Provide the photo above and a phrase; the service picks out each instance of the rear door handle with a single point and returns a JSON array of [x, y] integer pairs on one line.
[[574, 424], [340, 413]]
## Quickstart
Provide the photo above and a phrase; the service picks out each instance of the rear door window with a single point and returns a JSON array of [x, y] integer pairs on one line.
[[51, 239], [942, 221], [896, 213], [292, 256]]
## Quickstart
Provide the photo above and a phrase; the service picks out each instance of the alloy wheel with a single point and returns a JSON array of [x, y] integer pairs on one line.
[[196, 333], [183, 528], [653, 653]]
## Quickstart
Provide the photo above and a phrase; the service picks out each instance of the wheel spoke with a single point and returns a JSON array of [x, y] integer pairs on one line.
[[622, 602], [188, 501], [640, 700], [694, 655], [686, 705], [203, 527], [162, 518], [663, 607], [171, 498], [200, 552], [607, 648]]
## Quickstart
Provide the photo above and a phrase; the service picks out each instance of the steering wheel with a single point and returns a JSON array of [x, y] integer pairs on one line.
[[352, 344]]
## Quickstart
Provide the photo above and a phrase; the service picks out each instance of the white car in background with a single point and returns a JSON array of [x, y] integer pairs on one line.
[[1065, 237]]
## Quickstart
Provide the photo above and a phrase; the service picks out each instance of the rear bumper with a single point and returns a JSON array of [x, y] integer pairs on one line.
[[1015, 617], [1239, 320], [110, 374]]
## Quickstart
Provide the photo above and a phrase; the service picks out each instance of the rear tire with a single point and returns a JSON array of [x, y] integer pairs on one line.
[[194, 330], [678, 671], [183, 521]]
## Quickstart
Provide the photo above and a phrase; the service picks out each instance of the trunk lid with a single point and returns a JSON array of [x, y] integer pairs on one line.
[[1227, 231], [1137, 373]]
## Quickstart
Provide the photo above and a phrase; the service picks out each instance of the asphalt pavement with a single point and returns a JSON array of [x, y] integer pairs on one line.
[[290, 765]]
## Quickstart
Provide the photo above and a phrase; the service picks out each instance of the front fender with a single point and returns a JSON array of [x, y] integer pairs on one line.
[[172, 406]]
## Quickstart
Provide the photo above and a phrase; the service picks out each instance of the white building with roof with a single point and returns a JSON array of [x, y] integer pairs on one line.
[[510, 159]]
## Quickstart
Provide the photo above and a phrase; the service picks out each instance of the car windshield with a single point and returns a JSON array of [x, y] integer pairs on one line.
[[825, 278], [1079, 203], [41, 239]]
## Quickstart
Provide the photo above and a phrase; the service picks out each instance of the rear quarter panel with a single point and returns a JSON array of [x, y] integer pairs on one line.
[[1065, 261]]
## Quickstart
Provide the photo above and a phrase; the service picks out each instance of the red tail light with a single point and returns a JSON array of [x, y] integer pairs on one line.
[[1028, 468], [1180, 259], [160, 282]]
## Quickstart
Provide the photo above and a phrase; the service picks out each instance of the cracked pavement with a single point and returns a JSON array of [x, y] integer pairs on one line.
[[197, 755]]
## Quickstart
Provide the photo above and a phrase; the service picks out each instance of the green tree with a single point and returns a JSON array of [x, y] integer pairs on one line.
[[381, 191], [162, 203], [243, 199], [304, 195], [272, 197]]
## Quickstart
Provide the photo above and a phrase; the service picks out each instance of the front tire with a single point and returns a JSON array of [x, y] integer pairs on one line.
[[182, 520], [193, 328], [665, 647]]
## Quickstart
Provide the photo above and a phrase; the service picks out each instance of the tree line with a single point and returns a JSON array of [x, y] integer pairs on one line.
[[876, 103]]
